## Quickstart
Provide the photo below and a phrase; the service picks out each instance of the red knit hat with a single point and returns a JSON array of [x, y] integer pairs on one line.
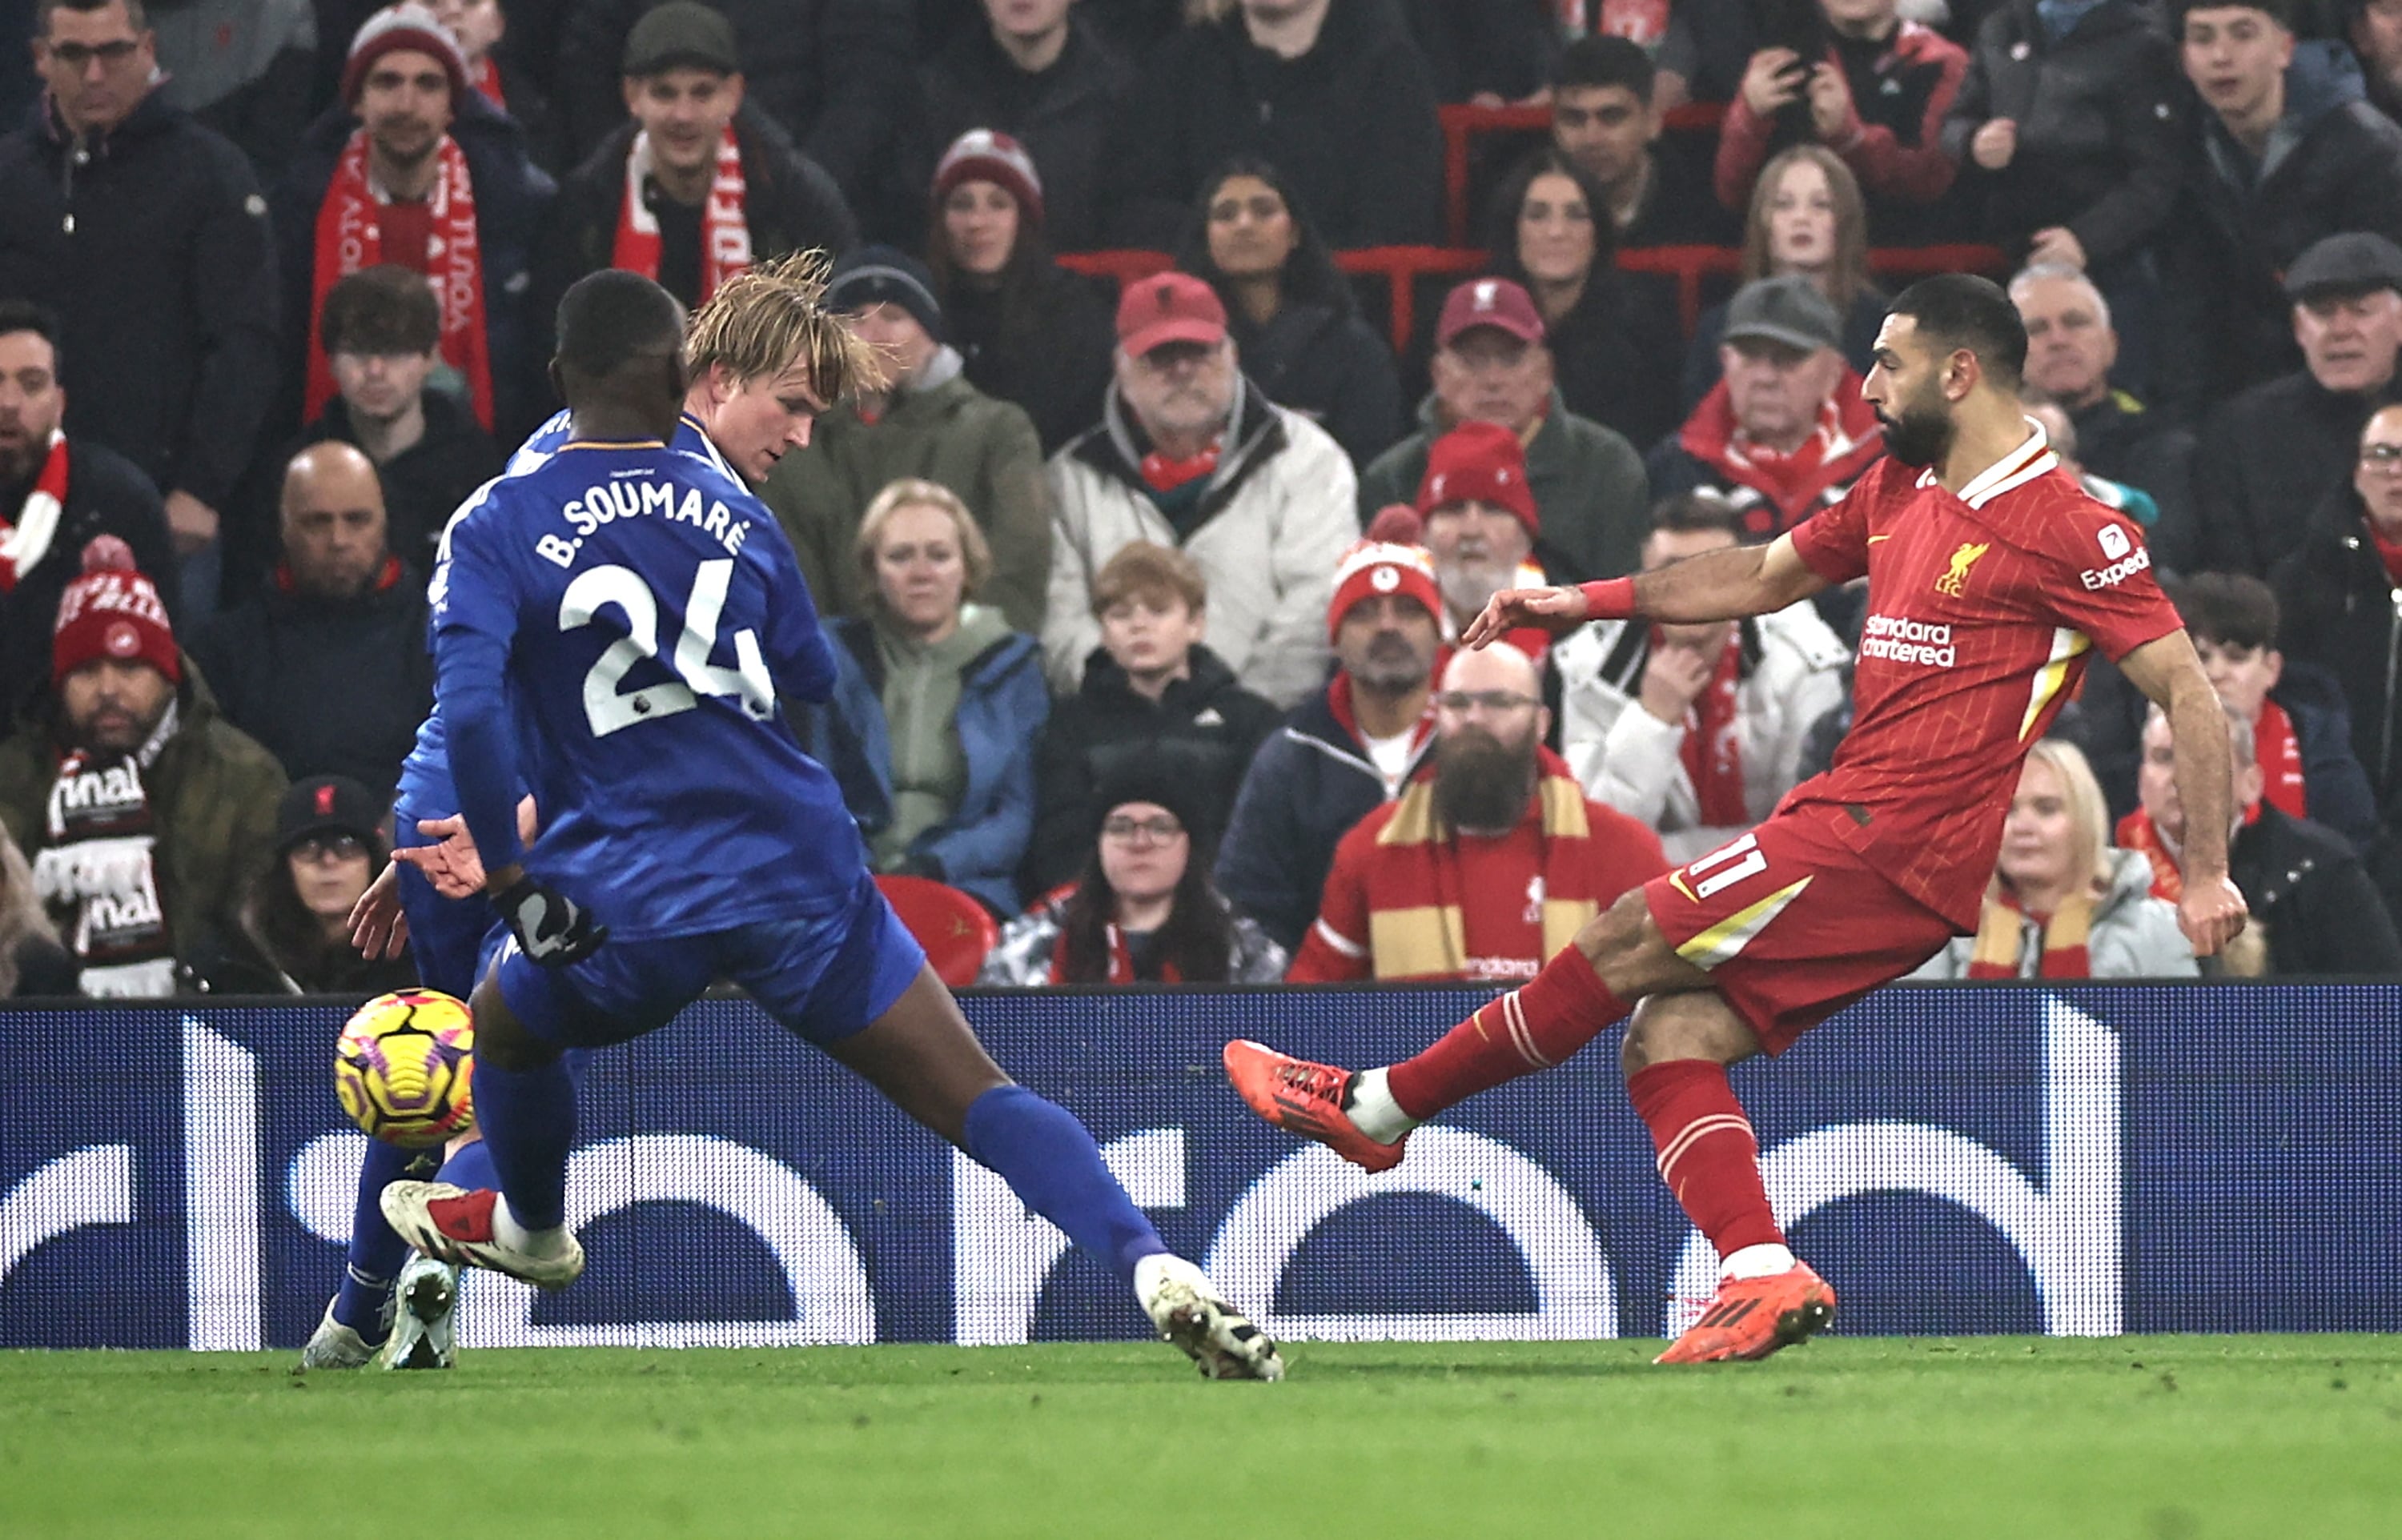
[[1481, 462], [112, 611], [397, 27], [1389, 560], [984, 155]]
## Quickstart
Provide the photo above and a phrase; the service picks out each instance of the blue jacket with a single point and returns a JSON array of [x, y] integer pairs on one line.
[[1002, 704]]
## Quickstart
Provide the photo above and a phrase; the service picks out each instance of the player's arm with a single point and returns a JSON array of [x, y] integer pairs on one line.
[[1729, 585], [2211, 912]]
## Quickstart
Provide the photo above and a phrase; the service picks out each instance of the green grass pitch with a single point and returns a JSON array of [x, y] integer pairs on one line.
[[2157, 1439]]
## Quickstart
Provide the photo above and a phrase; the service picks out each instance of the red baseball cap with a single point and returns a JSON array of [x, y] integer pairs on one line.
[[1169, 307], [1494, 302]]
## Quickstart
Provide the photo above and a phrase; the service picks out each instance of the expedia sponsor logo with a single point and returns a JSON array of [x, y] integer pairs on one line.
[[2117, 571], [1899, 639]]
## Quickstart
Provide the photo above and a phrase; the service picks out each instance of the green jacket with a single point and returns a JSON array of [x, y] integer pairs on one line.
[[213, 793], [1589, 490], [981, 448]]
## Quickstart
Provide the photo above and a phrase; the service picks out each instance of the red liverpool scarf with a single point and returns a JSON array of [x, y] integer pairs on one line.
[[2062, 935], [724, 227], [1712, 758], [350, 237], [1120, 963], [1845, 443], [2135, 831], [2280, 753], [25, 542]]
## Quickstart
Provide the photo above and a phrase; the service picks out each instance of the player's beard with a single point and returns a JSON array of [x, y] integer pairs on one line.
[[1482, 784], [1922, 434]]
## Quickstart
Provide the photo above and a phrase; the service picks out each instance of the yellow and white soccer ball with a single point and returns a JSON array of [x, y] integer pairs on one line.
[[403, 1068]]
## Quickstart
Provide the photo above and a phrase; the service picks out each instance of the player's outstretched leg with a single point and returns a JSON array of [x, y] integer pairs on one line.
[[1588, 987], [359, 1318], [424, 1331], [525, 1108], [921, 1054], [1676, 1056]]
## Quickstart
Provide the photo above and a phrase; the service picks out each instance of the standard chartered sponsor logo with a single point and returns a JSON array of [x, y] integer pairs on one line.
[[1899, 639]]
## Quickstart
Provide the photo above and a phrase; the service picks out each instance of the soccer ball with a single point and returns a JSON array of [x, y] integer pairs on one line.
[[403, 1065]]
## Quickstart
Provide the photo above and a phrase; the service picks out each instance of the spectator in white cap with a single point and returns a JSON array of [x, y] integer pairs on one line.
[[1038, 73], [697, 184], [1031, 331], [415, 168], [1349, 747], [1189, 454], [927, 422]]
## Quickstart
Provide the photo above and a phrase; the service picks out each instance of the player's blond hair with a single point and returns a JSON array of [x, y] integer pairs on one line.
[[2089, 812], [773, 318], [975, 552]]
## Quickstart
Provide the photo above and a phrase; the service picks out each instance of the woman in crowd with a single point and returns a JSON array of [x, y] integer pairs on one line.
[[1144, 910], [2065, 903], [296, 927], [1806, 218], [1613, 338], [1296, 325], [1031, 332], [32, 961], [937, 703]]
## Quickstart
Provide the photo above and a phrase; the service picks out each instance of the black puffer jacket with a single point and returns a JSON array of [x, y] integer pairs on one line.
[[1052, 358], [1308, 784], [1331, 367], [2101, 147], [2339, 610], [2334, 164], [2268, 458], [1351, 124], [1062, 116], [153, 245], [1208, 725], [2313, 899]]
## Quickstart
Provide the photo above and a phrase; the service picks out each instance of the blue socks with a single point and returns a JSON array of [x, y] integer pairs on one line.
[[527, 1118], [470, 1168], [1050, 1161], [375, 1253]]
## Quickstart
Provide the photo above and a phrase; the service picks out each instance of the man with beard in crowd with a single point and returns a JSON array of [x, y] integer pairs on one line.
[[1348, 749], [1481, 527], [1490, 862], [56, 495]]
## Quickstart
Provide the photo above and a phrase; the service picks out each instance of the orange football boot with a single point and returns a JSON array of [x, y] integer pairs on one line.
[[1752, 1317], [1305, 1098]]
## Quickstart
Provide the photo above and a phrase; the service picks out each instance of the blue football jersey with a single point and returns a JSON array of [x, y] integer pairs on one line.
[[425, 788], [629, 614]]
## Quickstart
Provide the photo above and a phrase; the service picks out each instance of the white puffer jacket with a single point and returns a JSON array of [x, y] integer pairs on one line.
[[1275, 519], [1624, 756]]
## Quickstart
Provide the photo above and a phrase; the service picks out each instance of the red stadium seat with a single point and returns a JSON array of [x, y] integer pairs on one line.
[[1400, 268], [1925, 261], [1131, 266], [1688, 265], [955, 929], [1464, 123]]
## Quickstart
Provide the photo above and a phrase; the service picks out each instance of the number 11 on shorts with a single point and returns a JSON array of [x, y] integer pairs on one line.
[[1753, 862]]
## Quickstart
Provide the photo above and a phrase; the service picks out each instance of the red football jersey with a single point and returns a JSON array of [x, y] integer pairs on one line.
[[1982, 608]]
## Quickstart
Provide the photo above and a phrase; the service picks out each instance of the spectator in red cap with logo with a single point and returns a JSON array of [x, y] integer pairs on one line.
[[1491, 365], [414, 167], [1481, 529], [1189, 454], [144, 812], [1348, 750]]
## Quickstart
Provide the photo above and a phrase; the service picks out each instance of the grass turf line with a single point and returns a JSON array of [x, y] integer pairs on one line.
[[2158, 1438]]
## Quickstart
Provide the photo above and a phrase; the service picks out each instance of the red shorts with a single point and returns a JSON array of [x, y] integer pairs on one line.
[[1791, 923]]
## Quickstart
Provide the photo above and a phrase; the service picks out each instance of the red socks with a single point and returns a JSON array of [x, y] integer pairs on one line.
[[1709, 1155], [1534, 1027]]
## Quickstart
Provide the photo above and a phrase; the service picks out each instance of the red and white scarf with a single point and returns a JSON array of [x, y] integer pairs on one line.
[[1793, 487], [1121, 962], [1713, 759], [724, 228], [27, 541], [350, 237], [2280, 753]]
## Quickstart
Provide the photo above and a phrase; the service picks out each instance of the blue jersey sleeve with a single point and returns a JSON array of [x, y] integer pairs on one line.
[[475, 621]]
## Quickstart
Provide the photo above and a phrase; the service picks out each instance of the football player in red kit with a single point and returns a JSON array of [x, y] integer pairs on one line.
[[1991, 579]]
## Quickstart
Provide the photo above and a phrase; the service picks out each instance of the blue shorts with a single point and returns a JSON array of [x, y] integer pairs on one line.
[[823, 977], [450, 939]]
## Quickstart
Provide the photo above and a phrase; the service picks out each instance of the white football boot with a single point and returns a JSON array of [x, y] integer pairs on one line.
[[1186, 1308], [456, 1226], [334, 1345], [421, 1328]]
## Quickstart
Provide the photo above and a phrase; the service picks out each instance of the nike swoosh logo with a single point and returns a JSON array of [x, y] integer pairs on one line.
[[1676, 881]]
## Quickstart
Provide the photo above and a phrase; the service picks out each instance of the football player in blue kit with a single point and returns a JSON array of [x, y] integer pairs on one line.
[[613, 629], [752, 351]]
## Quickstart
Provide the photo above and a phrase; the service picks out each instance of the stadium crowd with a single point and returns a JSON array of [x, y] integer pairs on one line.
[[1213, 411]]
